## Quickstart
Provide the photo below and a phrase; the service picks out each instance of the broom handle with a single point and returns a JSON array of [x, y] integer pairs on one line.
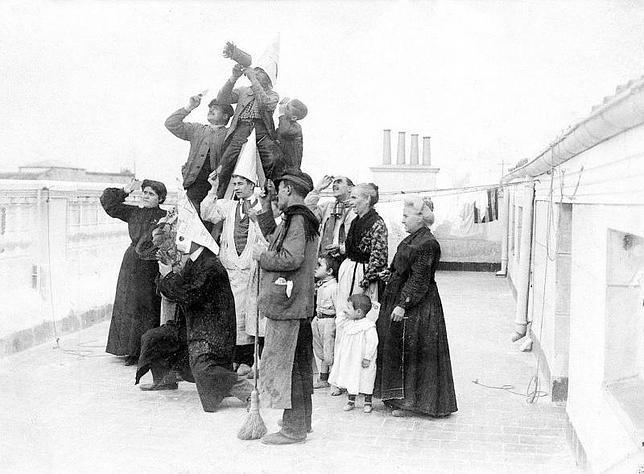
[[256, 348]]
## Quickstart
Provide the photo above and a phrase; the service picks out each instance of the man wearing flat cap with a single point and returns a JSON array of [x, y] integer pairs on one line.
[[206, 145], [286, 299]]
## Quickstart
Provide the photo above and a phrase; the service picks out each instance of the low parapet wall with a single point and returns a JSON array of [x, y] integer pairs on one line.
[[479, 249], [60, 254]]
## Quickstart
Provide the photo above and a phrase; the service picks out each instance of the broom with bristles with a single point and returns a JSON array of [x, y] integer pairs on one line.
[[254, 427]]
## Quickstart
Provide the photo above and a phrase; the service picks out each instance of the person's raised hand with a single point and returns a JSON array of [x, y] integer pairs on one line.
[[249, 72], [398, 314], [270, 188], [282, 105], [238, 70], [213, 178], [324, 183], [267, 194], [333, 250], [132, 185], [194, 102]]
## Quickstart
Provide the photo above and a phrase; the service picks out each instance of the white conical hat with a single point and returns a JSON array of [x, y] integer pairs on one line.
[[247, 162], [248, 165], [189, 226], [269, 61]]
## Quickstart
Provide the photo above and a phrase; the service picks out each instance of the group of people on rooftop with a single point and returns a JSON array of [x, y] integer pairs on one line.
[[255, 256]]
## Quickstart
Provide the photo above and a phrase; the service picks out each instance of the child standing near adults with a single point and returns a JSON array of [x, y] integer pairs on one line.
[[354, 367], [323, 324], [289, 134]]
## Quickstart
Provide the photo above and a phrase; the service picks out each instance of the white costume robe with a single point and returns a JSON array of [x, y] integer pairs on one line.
[[359, 341], [242, 268]]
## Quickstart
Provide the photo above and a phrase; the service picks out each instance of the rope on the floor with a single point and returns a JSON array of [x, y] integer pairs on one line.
[[531, 395], [84, 351]]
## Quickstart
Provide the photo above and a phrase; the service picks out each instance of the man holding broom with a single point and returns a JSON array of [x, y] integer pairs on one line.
[[286, 299]]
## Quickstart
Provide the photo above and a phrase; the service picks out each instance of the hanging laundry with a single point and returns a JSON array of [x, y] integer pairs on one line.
[[487, 206], [493, 204], [480, 205]]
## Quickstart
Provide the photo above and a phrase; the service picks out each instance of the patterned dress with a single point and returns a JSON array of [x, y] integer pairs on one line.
[[137, 305], [414, 369], [367, 253]]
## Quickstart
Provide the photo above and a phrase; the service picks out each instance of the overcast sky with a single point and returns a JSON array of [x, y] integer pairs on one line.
[[91, 83]]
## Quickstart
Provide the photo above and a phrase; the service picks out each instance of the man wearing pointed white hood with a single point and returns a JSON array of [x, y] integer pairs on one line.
[[254, 111], [202, 292], [240, 234]]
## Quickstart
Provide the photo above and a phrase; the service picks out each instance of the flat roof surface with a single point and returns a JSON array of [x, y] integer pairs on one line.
[[75, 408]]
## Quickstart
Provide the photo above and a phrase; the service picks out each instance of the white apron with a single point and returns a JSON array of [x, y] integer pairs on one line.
[[349, 277], [241, 269]]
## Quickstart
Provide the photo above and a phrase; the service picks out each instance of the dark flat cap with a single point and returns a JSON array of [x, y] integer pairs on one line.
[[296, 176]]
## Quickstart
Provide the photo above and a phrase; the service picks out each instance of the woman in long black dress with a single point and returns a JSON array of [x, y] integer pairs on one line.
[[136, 305], [414, 372]]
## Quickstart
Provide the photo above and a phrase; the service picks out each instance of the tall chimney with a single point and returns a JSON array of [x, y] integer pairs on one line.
[[413, 153], [427, 152], [386, 147], [400, 160]]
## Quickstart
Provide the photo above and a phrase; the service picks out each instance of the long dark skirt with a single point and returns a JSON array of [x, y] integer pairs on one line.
[[137, 306], [414, 368]]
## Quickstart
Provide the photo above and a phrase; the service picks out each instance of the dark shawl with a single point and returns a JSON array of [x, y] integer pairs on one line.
[[359, 228]]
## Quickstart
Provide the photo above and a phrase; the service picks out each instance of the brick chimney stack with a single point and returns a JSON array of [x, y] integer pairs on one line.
[[413, 152], [400, 159], [386, 147], [427, 152]]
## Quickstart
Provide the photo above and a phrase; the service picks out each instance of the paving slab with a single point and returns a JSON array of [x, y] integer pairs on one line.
[[69, 407]]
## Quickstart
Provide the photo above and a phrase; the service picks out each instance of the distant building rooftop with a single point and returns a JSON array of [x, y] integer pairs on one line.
[[51, 170]]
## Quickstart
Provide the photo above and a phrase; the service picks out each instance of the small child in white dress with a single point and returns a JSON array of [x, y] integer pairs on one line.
[[354, 365]]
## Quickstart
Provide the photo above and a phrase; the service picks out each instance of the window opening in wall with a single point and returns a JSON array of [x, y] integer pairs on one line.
[[34, 277], [3, 220], [624, 325]]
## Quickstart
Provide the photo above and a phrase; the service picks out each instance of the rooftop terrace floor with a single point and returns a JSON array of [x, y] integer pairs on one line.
[[74, 408]]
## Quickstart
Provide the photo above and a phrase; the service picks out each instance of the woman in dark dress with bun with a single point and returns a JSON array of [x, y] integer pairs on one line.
[[414, 371], [136, 304]]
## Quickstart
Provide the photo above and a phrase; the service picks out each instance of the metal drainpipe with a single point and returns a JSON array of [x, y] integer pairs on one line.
[[505, 212], [39, 261], [523, 274]]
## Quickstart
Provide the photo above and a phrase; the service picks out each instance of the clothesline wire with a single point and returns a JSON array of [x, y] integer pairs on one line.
[[450, 191]]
